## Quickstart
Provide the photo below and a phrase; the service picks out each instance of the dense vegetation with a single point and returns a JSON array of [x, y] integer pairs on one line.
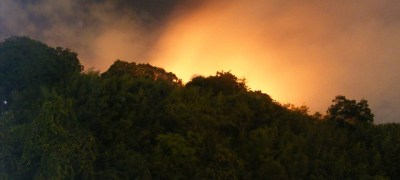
[[136, 121]]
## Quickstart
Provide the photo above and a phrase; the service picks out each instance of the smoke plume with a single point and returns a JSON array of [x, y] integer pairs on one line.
[[299, 52]]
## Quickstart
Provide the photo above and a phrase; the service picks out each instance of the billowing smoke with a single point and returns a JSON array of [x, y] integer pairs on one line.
[[300, 52], [101, 31]]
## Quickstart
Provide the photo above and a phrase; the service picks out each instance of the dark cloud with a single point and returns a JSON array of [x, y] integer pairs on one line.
[[99, 30]]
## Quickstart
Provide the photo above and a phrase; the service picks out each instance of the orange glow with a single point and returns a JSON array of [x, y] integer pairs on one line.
[[302, 52], [211, 40]]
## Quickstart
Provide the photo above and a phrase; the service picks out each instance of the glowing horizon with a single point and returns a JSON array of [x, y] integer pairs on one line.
[[210, 40], [304, 53]]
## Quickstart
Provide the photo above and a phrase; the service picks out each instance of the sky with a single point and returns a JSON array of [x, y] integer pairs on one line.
[[299, 52]]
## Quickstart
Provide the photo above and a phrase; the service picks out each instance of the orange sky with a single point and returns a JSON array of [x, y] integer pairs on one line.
[[302, 52], [210, 40]]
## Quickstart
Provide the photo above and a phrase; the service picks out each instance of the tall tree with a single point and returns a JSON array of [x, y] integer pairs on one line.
[[351, 111], [26, 66]]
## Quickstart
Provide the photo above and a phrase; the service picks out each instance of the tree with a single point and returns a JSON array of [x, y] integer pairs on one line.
[[26, 63], [350, 111], [174, 157], [136, 121], [147, 71], [26, 66], [51, 146], [223, 82]]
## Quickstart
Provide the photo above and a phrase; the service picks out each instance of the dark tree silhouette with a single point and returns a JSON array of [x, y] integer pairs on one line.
[[137, 121], [350, 111]]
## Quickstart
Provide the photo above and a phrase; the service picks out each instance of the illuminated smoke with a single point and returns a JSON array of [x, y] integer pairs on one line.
[[298, 52], [100, 32], [303, 52]]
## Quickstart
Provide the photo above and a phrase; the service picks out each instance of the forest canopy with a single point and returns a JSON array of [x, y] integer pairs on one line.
[[137, 121]]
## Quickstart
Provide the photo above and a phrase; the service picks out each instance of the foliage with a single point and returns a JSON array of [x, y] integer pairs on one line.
[[350, 111], [136, 121], [222, 82], [26, 66]]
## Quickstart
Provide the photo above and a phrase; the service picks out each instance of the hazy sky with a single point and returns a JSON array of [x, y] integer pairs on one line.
[[303, 52]]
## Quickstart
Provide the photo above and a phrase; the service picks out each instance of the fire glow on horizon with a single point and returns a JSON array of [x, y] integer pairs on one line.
[[300, 52], [252, 43], [202, 43]]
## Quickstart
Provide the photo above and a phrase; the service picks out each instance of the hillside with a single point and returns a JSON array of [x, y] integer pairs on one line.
[[137, 121]]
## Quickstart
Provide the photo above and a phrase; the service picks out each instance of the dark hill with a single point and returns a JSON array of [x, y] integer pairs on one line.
[[137, 121]]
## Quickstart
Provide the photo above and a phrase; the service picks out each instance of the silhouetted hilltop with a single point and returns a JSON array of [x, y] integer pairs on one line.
[[139, 121]]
